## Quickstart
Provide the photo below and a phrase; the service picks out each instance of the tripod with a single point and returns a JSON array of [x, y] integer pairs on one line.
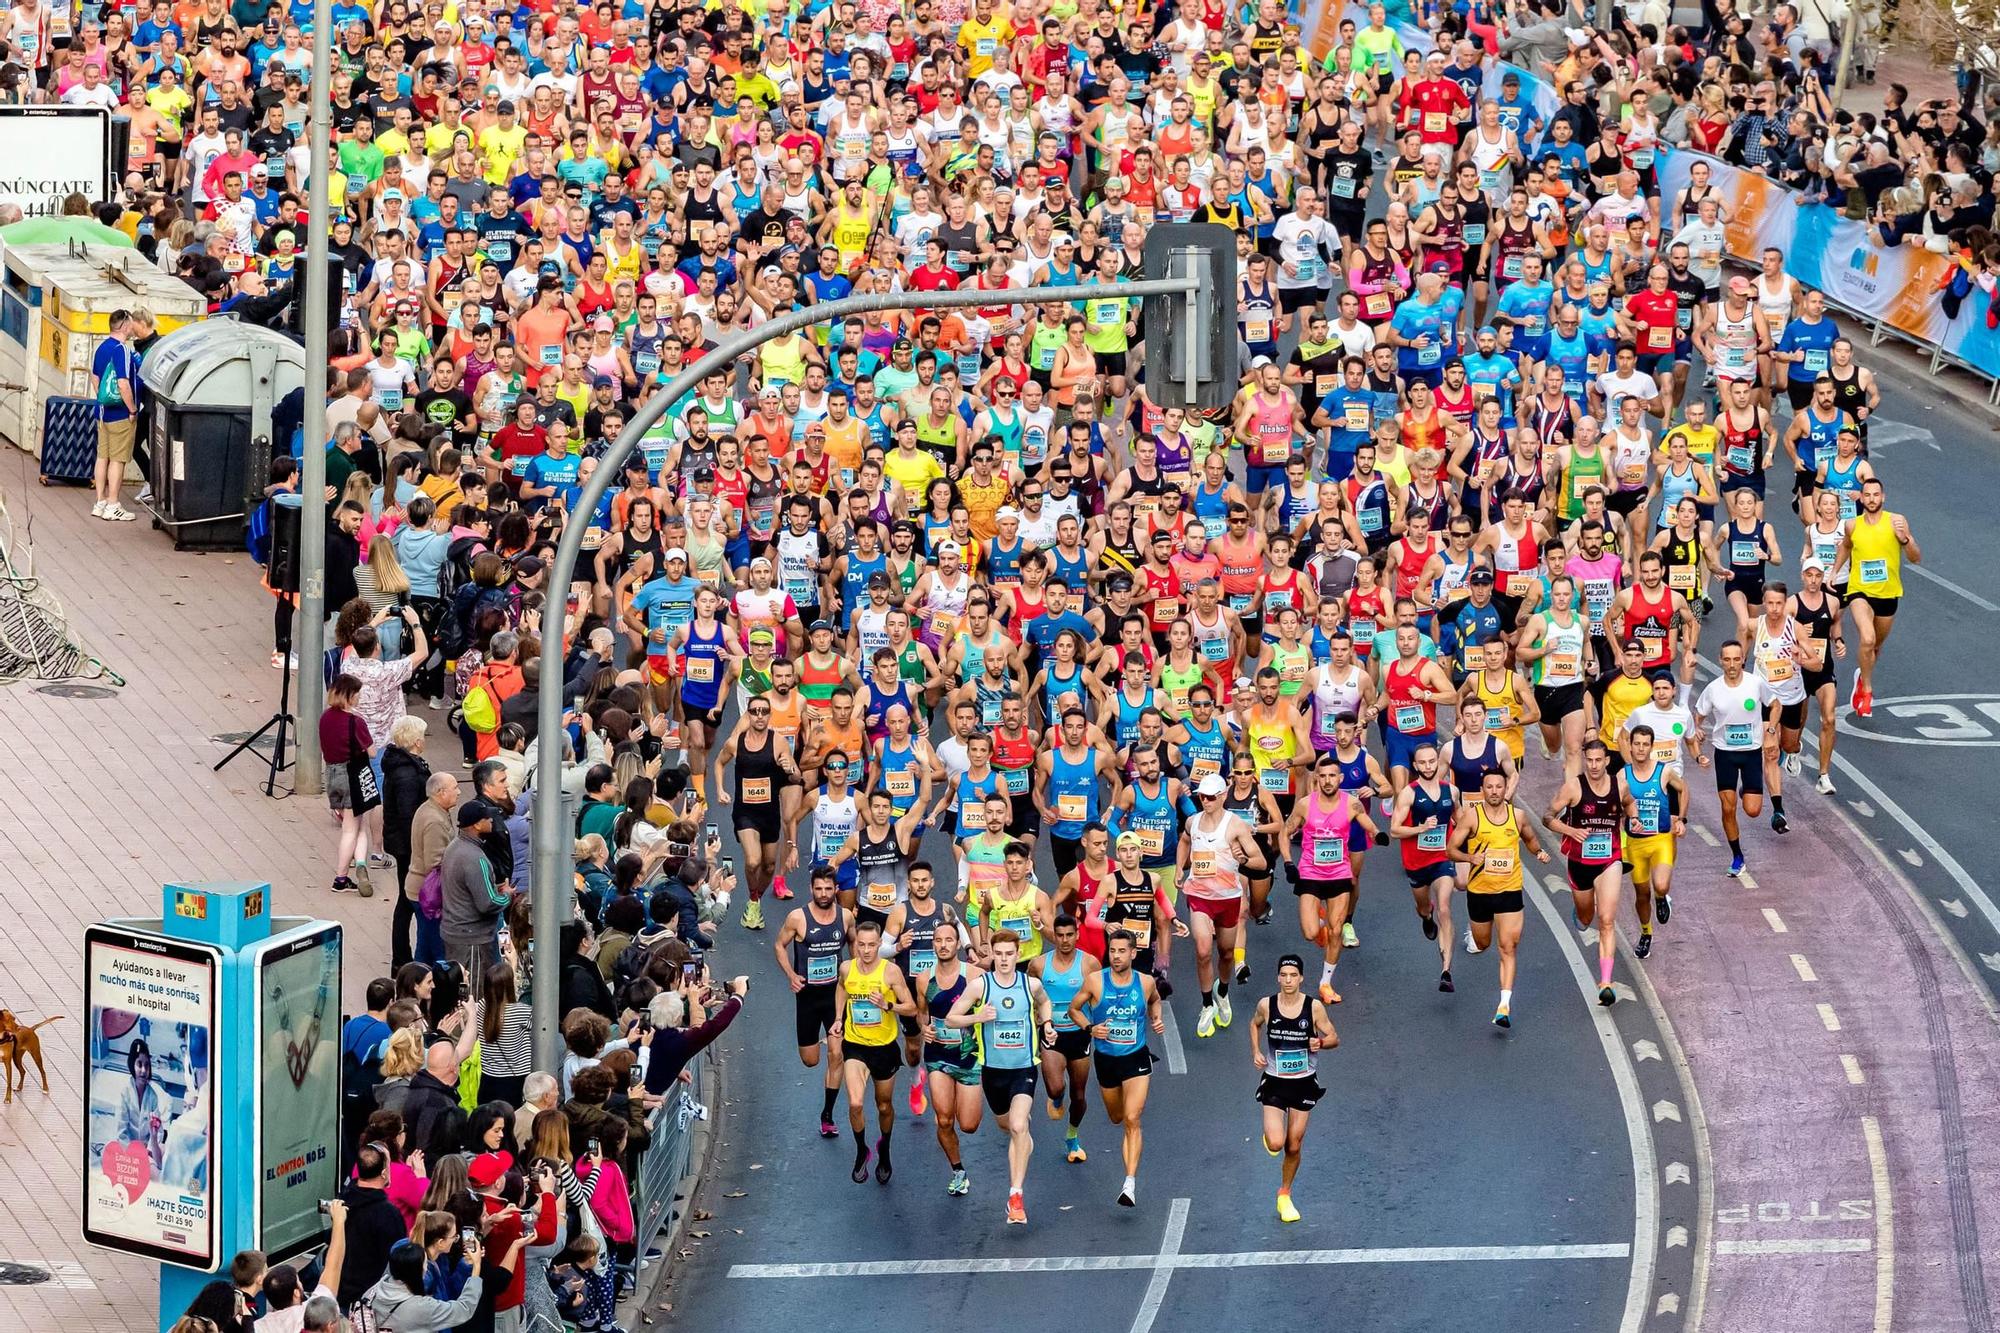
[[283, 721]]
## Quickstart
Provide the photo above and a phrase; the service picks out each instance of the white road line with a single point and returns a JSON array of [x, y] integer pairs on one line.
[[1774, 921], [1163, 1270], [1638, 1132], [1821, 1245], [1885, 1225], [1852, 1067], [1108, 1263], [1804, 968], [1701, 831], [1945, 583], [1171, 1038], [1748, 881], [1829, 1019]]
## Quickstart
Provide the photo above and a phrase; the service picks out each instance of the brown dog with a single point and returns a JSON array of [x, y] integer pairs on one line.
[[18, 1044]]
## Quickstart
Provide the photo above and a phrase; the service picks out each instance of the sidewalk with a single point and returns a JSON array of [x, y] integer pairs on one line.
[[112, 796]]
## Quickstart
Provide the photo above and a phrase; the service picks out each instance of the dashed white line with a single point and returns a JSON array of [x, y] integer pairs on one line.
[[1748, 881], [1803, 968], [1775, 922], [1829, 1019], [1885, 1225], [1701, 831], [1170, 1250], [1852, 1067]]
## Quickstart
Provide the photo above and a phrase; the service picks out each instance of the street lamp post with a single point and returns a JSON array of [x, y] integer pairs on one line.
[[549, 839], [309, 775]]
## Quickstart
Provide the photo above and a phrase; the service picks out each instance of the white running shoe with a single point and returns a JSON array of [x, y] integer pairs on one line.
[[1470, 946], [97, 509], [1223, 1014], [1825, 784], [1792, 764]]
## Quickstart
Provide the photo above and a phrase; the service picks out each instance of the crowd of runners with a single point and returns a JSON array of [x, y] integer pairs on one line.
[[1026, 681]]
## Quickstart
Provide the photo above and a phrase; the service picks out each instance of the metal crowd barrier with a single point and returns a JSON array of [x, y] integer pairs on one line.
[[657, 1204]]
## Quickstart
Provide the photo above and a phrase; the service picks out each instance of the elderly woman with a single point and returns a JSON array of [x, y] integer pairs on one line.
[[405, 775]]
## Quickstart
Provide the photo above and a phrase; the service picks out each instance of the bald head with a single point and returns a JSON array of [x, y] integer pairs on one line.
[[441, 1061]]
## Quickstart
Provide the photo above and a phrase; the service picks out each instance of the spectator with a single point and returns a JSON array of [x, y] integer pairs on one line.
[[682, 1029], [583, 985], [398, 1302], [290, 1306], [539, 1093], [430, 837], [352, 784], [373, 1225], [473, 898], [624, 921], [431, 1108], [506, 1038]]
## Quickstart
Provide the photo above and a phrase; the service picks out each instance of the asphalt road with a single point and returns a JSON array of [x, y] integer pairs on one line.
[[1437, 1132]]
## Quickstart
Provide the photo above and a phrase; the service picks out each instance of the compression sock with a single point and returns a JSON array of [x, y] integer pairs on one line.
[[826, 1103], [1778, 805], [1736, 847]]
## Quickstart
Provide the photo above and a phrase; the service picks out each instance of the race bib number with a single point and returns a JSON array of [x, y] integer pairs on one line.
[[1510, 267], [701, 670], [1257, 330], [1431, 355], [1275, 779], [552, 355], [1328, 852], [1778, 668], [1744, 553], [1498, 864], [880, 897], [1239, 602], [1681, 578], [901, 783], [1522, 585], [1015, 780], [1122, 1032], [1214, 649], [1498, 718], [1597, 847], [1739, 458], [1874, 571], [1431, 839], [1375, 305], [1152, 841], [1737, 735], [1435, 122], [1009, 1036], [1816, 360], [1659, 340], [864, 1013], [756, 791], [1343, 187], [1072, 807], [1362, 631], [1409, 718], [1292, 1062], [1356, 417], [1201, 864], [820, 968]]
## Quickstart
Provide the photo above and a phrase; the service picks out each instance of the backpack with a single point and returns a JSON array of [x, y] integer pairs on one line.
[[481, 707], [257, 533], [456, 571]]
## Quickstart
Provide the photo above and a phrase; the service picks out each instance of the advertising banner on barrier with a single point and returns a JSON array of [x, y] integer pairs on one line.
[[1899, 286]]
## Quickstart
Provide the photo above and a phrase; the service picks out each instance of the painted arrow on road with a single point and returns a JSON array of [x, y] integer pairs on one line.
[[1677, 1173], [1643, 1050], [1954, 906], [1883, 432], [1666, 1110]]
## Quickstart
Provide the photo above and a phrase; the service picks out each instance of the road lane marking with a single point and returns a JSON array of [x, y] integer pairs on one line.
[[1817, 1245], [1885, 1225], [1638, 1133], [1701, 831], [1949, 586], [1748, 881], [1852, 1067], [1829, 1019], [1108, 1263], [1163, 1272], [1171, 1038], [1774, 921], [1804, 968]]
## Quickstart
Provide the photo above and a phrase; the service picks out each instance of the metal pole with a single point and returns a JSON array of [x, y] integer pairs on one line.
[[550, 877], [1850, 32], [309, 776]]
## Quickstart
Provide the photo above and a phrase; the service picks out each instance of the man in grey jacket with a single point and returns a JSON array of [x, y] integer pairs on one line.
[[473, 902], [1537, 34], [399, 1304]]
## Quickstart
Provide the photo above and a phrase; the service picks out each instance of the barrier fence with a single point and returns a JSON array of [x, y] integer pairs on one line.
[[657, 1204]]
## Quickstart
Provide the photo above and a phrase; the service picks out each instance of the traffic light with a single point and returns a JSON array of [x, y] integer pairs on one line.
[[1191, 340]]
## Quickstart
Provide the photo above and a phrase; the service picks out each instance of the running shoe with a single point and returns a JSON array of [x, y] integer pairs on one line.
[[919, 1101], [342, 884], [1606, 996], [1286, 1213], [1204, 1025], [1263, 918], [97, 509], [1017, 1211], [1223, 1013], [1444, 982], [779, 891], [1501, 1019], [959, 1184], [826, 1129], [1645, 945], [1073, 1150], [860, 1175], [1471, 945], [753, 916], [1664, 908], [1348, 939], [1267, 1146], [1793, 763], [1243, 974], [1054, 1108], [1128, 1194], [1825, 784], [1780, 824], [1327, 993], [883, 1170], [1736, 867], [1430, 925]]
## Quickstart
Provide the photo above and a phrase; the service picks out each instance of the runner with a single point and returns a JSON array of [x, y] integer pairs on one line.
[[1216, 849], [1322, 874], [1119, 1005], [1066, 1060], [1488, 837], [872, 993], [1873, 548], [1586, 813], [1655, 802], [1011, 1011], [810, 948], [1288, 1032], [1731, 709], [1421, 823], [951, 1056]]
